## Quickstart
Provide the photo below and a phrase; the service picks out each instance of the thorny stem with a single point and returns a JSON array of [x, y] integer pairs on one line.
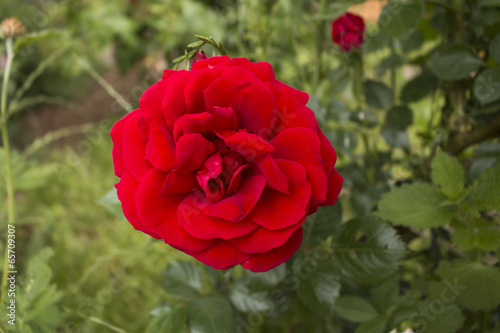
[[8, 166]]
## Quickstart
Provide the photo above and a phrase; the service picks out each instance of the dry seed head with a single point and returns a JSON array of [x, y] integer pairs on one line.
[[12, 27]]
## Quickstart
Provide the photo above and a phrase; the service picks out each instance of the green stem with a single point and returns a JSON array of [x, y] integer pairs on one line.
[[8, 166]]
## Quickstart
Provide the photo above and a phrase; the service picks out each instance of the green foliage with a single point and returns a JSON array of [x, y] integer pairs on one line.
[[210, 314], [449, 174], [354, 308], [377, 94], [454, 62]]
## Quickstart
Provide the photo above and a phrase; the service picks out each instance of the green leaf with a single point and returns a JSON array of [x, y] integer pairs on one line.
[[482, 234], [111, 203], [490, 3], [485, 192], [470, 284], [34, 177], [168, 318], [323, 223], [210, 314], [385, 295], [246, 301], [397, 120], [447, 172], [415, 205], [392, 61], [419, 87], [495, 49], [435, 316], [454, 62], [377, 94], [32, 38], [355, 309], [486, 86], [376, 325], [413, 41], [319, 283], [182, 279], [195, 45], [398, 18], [368, 249], [265, 280]]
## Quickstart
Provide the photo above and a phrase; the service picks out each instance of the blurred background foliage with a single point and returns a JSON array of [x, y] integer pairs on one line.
[[416, 130]]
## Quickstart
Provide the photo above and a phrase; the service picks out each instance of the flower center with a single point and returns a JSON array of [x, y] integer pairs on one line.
[[221, 174]]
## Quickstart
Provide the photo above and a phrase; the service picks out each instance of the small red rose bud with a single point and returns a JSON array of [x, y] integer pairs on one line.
[[12, 27], [348, 31], [199, 56]]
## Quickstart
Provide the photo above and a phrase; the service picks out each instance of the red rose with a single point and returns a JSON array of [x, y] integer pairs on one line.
[[348, 31], [224, 162]]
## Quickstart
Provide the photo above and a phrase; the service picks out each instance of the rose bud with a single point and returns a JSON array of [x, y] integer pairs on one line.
[[348, 31], [224, 162]]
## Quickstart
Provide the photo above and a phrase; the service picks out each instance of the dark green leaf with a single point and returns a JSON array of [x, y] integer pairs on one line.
[[365, 118], [398, 18], [413, 41], [376, 325], [397, 120], [377, 94], [419, 87], [182, 279], [495, 49], [210, 314], [415, 205], [368, 249], [487, 86], [391, 62], [490, 3], [168, 318], [265, 280], [319, 283], [355, 309], [324, 222], [470, 284], [454, 62], [447, 172], [435, 316], [344, 141], [385, 295]]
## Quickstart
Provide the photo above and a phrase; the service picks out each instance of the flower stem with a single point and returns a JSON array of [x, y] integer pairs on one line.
[[8, 166]]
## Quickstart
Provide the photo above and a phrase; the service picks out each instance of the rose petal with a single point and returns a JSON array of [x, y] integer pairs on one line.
[[179, 182], [126, 190], [220, 119], [191, 151], [277, 210], [252, 102], [250, 146], [334, 187], [158, 212], [208, 63], [303, 146], [174, 104], [263, 70], [263, 240], [133, 149], [275, 178], [221, 255], [117, 138], [262, 262], [199, 225], [160, 150]]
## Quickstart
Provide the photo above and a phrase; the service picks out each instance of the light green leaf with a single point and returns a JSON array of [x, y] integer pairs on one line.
[[482, 234], [210, 314], [168, 318], [415, 205], [398, 18], [454, 62], [246, 301], [355, 309], [485, 192], [33, 38], [182, 279], [435, 316], [495, 49], [470, 284], [448, 173], [319, 283], [376, 325], [377, 94], [34, 177], [111, 203], [486, 86], [265, 280], [368, 249]]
